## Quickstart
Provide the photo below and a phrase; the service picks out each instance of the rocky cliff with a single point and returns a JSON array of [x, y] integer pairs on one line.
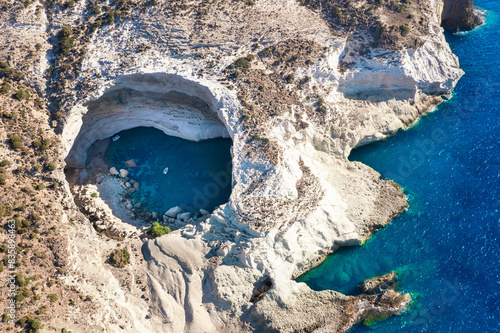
[[295, 89], [459, 15]]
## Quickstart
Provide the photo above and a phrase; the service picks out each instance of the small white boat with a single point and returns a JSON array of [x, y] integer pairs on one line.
[[116, 137], [165, 171]]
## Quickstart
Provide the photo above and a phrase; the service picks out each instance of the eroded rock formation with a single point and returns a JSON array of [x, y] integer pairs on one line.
[[459, 15]]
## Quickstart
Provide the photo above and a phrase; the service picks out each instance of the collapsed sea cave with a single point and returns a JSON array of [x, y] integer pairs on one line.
[[149, 143]]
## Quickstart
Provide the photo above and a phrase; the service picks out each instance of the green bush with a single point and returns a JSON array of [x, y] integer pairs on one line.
[[94, 195], [5, 211], [3, 179], [158, 230], [405, 29], [40, 186], [66, 44], [15, 141], [380, 29], [66, 31], [21, 280], [35, 217], [242, 63], [19, 297], [53, 297], [5, 87], [51, 166], [120, 258], [336, 12], [22, 94], [34, 325]]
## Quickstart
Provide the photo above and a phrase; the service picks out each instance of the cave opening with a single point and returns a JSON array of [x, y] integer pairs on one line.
[[151, 147]]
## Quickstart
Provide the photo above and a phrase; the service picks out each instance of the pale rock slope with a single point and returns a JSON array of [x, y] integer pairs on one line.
[[283, 217]]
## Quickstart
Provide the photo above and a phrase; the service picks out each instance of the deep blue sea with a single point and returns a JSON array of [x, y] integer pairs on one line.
[[199, 173], [445, 248]]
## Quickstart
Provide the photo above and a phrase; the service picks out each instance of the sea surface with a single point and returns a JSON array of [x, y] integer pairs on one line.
[[199, 173], [445, 248]]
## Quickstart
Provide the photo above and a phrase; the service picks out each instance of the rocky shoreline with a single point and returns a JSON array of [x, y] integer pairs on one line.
[[296, 90]]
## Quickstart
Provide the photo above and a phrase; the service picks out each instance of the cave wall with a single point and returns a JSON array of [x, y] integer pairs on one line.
[[170, 103]]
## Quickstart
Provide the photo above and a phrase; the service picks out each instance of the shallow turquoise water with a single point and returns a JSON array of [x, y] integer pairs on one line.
[[446, 246], [199, 173]]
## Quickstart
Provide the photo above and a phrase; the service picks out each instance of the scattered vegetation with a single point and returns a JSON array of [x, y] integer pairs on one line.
[[15, 141], [22, 95], [53, 298], [5, 87], [120, 258]]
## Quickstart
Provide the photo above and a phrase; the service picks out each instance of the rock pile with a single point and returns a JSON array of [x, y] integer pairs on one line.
[[175, 218]]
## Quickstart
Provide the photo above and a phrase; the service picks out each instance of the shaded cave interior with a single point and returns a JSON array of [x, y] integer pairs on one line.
[[179, 108]]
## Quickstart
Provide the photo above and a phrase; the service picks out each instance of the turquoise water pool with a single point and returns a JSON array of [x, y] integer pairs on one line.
[[446, 246], [198, 177]]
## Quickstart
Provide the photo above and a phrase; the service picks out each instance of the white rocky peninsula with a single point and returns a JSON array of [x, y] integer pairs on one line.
[[296, 87]]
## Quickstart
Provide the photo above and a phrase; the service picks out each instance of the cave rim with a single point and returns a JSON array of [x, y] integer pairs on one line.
[[213, 103]]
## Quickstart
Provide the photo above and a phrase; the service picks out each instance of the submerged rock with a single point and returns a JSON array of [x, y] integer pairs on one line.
[[172, 212], [123, 173], [137, 185], [113, 171], [130, 163], [204, 212], [184, 216]]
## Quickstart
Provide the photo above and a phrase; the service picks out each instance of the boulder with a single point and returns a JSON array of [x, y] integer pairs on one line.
[[137, 186], [113, 171], [172, 212], [184, 216], [130, 163], [204, 212], [130, 190], [154, 215], [128, 184], [123, 173]]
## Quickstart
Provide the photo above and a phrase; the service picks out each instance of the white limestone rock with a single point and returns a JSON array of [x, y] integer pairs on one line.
[[173, 212], [113, 171]]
